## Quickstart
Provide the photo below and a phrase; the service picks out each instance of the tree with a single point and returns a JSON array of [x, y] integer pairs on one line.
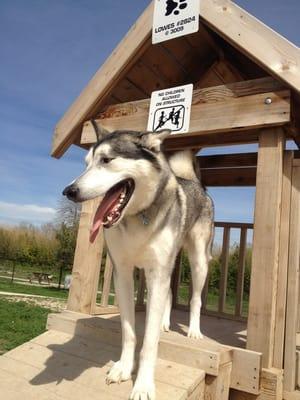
[[67, 219]]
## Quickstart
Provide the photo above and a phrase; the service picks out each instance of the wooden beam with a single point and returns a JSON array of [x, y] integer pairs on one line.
[[237, 106], [220, 73], [283, 260], [86, 268], [265, 251], [99, 87], [217, 387], [292, 311], [270, 387], [253, 38], [224, 270], [228, 160], [217, 177]]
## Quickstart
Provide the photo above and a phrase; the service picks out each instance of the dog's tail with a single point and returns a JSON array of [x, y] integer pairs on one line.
[[184, 165]]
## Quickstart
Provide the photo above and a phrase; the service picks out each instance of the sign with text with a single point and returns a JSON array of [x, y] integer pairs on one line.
[[174, 18], [171, 109]]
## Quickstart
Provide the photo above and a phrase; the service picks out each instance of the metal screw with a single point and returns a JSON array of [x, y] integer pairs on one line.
[[268, 100]]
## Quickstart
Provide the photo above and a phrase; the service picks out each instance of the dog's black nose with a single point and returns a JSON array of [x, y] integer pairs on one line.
[[71, 192]]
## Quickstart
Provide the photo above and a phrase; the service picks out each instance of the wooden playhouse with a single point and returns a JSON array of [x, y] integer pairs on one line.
[[246, 90]]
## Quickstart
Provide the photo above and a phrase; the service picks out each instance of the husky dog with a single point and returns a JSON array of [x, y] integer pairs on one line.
[[151, 207]]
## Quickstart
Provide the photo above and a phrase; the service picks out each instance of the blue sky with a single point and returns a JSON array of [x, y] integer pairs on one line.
[[49, 51]]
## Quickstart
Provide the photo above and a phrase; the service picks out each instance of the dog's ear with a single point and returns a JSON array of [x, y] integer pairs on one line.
[[100, 132], [153, 140]]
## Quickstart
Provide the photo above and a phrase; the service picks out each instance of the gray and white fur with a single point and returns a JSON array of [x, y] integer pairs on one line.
[[168, 210]]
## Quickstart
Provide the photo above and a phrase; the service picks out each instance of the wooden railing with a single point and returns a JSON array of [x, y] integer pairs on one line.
[[182, 290]]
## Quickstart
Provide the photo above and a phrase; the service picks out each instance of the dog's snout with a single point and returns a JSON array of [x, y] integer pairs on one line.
[[71, 192]]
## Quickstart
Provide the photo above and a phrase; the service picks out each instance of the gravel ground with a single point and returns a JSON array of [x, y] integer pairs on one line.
[[56, 305]]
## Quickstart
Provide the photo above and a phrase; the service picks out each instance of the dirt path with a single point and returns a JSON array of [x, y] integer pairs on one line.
[[42, 301]]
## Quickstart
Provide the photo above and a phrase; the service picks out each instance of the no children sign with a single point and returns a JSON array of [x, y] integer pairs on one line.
[[174, 18], [171, 109]]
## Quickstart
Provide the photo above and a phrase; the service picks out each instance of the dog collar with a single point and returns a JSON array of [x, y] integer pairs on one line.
[[144, 219]]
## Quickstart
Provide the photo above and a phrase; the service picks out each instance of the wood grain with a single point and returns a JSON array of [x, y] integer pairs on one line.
[[238, 106], [262, 305]]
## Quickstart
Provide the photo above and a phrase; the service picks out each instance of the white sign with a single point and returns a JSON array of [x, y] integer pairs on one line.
[[171, 109], [174, 18]]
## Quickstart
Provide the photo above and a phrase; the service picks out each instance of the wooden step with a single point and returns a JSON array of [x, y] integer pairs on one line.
[[57, 366], [205, 354]]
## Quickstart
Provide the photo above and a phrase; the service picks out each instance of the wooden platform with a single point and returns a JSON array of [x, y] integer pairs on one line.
[[70, 361]]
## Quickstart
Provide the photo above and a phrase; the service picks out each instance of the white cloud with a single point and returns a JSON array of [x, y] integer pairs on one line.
[[14, 213]]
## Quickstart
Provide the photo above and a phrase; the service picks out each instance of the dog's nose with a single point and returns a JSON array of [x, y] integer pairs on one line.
[[71, 192]]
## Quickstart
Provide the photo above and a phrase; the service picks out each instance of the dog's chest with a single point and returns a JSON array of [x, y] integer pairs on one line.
[[137, 245]]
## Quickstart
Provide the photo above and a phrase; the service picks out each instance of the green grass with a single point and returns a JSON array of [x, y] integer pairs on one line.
[[7, 286], [213, 299], [20, 322]]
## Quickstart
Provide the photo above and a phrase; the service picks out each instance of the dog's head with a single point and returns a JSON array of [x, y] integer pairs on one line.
[[123, 169]]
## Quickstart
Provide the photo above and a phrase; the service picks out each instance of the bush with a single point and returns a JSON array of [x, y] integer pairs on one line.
[[215, 270]]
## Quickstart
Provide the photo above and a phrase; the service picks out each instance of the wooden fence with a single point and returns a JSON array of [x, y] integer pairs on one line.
[[107, 301]]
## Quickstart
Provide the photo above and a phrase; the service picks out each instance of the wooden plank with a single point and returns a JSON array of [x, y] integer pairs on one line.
[[107, 281], [292, 286], [89, 376], [241, 273], [270, 387], [197, 142], [217, 387], [219, 109], [107, 329], [283, 260], [295, 395], [140, 298], [15, 388], [275, 53], [100, 310], [228, 160], [215, 177], [112, 71], [262, 305], [297, 369], [86, 268], [176, 279], [206, 359], [238, 225], [220, 73], [246, 370], [224, 270], [94, 351]]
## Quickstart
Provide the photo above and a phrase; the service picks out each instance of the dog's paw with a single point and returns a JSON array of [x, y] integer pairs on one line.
[[195, 333], [118, 373], [143, 391], [165, 326]]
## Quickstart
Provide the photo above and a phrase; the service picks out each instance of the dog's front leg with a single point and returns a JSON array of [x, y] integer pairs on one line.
[[158, 284], [123, 279]]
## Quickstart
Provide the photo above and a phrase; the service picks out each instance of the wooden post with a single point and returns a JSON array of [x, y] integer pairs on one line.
[[217, 387], [241, 273], [175, 282], [224, 269], [262, 306], [107, 281], [293, 285], [283, 260], [86, 268]]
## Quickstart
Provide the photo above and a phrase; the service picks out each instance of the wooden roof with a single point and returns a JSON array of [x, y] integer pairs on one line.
[[231, 46]]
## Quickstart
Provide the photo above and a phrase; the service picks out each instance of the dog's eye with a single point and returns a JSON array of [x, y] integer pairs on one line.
[[105, 160]]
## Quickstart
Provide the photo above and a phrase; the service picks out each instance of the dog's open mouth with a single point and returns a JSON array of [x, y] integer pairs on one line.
[[110, 209]]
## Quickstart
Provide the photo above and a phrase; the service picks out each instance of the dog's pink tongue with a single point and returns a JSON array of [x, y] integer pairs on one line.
[[106, 205]]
